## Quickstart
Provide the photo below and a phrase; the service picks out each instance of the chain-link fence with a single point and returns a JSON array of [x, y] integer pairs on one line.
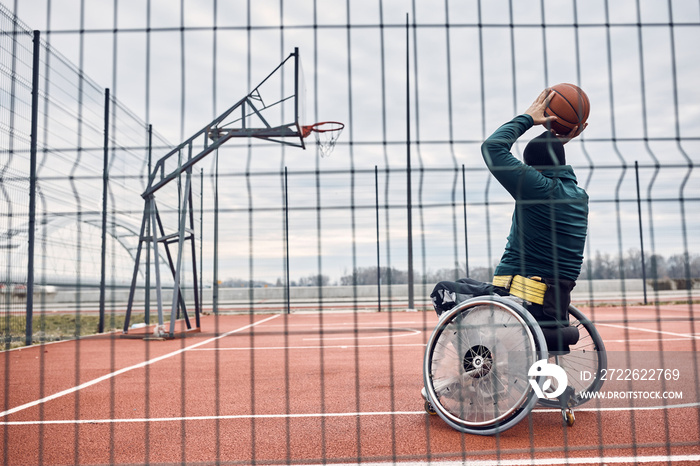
[[404, 201], [88, 164]]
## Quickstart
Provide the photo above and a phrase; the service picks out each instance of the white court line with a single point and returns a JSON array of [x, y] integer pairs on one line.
[[303, 416], [346, 325], [648, 339], [127, 369], [395, 345], [283, 348], [410, 331], [628, 408], [673, 459], [673, 334]]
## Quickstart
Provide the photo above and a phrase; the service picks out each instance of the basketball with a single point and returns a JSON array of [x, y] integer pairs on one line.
[[570, 105]]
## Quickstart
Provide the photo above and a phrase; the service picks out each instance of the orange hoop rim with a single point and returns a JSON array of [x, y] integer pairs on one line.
[[318, 127]]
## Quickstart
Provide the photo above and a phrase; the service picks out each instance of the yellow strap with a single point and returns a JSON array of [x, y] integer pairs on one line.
[[502, 280], [522, 287]]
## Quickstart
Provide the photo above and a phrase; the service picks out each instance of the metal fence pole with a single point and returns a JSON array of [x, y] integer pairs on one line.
[[147, 290], [215, 285], [466, 238], [376, 211], [641, 233], [105, 182], [32, 191], [286, 241], [409, 207], [201, 234]]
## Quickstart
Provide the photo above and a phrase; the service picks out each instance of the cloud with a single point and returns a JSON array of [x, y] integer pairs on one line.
[[465, 82]]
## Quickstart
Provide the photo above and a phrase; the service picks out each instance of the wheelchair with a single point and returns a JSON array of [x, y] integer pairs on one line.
[[485, 356]]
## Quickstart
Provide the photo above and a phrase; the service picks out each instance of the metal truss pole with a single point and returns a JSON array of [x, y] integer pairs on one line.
[[209, 139]]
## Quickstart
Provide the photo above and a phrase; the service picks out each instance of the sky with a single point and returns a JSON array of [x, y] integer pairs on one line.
[[177, 65]]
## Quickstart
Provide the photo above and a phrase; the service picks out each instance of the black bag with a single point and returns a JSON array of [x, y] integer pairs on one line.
[[554, 312], [447, 294], [553, 315]]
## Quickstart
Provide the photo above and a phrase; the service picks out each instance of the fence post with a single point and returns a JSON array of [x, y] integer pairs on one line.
[[466, 239], [376, 211], [147, 289], [286, 242], [215, 285], [105, 181], [201, 234], [411, 305], [641, 236], [32, 191]]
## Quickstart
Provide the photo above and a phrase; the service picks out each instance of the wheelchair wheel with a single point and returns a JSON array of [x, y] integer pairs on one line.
[[476, 365], [585, 362]]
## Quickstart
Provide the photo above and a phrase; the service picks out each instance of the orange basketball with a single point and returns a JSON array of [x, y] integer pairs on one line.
[[570, 105]]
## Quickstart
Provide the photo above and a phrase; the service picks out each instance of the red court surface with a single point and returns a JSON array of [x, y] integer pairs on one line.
[[321, 388]]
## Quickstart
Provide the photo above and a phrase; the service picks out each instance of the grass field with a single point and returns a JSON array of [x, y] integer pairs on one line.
[[56, 327]]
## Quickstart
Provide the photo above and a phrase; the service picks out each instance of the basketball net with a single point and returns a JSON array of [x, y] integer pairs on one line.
[[326, 133]]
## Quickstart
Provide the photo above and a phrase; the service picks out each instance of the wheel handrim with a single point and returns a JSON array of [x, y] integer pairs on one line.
[[480, 363]]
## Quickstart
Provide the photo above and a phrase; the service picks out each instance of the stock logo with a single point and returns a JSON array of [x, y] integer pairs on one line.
[[553, 372]]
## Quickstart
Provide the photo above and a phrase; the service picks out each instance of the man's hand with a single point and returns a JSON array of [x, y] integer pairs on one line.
[[575, 131], [536, 110]]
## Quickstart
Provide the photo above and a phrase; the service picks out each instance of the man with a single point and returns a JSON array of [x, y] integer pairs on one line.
[[544, 253]]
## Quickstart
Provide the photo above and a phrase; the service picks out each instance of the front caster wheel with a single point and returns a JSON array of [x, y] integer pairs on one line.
[[569, 417]]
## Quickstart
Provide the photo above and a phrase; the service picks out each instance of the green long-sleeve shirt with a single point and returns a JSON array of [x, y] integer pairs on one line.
[[550, 221]]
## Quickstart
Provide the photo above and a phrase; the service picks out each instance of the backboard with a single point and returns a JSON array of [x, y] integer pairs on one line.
[[274, 110], [300, 97]]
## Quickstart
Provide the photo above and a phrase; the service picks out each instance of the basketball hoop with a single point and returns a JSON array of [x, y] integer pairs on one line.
[[326, 132]]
